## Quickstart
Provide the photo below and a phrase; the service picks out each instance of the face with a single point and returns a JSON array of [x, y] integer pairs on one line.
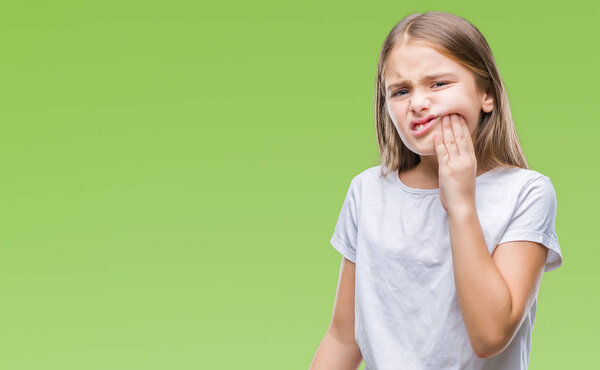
[[412, 95]]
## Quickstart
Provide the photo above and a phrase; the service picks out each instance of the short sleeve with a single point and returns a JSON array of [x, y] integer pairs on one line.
[[346, 228], [534, 219]]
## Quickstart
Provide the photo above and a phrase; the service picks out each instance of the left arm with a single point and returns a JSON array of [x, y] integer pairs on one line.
[[494, 292]]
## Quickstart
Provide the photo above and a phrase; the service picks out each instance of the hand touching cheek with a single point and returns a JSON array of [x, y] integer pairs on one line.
[[457, 164]]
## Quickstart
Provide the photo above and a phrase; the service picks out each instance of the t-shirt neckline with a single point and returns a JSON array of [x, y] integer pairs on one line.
[[408, 189]]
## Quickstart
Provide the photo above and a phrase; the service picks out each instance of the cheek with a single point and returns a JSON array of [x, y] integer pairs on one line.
[[454, 101], [396, 107], [396, 112], [461, 104]]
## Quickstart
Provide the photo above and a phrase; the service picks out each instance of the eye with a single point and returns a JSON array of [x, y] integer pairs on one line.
[[396, 93], [441, 83]]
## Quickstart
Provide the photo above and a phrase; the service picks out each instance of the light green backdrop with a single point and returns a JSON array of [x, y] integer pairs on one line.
[[172, 173]]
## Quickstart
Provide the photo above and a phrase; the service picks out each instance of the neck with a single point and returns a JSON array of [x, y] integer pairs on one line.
[[429, 167]]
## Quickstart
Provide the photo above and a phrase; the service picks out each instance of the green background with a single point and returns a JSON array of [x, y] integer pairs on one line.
[[172, 173]]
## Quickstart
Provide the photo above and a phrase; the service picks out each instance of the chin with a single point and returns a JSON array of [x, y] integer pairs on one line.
[[424, 149], [427, 154]]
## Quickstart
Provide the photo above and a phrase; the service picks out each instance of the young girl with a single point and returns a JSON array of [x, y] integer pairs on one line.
[[445, 242]]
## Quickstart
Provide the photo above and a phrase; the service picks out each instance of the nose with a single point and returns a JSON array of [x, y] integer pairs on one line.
[[419, 102]]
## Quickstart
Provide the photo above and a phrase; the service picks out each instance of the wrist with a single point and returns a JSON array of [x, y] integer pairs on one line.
[[463, 211]]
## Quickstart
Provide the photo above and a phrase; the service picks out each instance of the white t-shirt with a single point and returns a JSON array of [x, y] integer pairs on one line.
[[406, 307]]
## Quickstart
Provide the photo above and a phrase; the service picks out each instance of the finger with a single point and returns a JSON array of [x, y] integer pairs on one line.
[[440, 150], [469, 140], [449, 140], [471, 147], [458, 128]]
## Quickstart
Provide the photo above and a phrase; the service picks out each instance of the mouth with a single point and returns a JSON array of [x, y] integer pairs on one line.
[[420, 128]]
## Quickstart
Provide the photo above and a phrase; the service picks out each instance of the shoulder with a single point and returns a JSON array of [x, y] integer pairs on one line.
[[525, 184], [368, 173], [519, 177], [362, 181], [366, 176]]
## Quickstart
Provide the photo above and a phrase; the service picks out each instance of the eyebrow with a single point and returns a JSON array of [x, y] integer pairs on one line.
[[425, 78]]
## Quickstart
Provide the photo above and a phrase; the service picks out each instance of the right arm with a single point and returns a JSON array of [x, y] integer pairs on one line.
[[338, 349]]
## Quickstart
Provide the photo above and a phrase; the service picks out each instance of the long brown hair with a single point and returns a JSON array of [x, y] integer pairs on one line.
[[496, 140]]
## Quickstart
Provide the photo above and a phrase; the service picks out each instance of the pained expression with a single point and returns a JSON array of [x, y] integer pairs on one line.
[[453, 91]]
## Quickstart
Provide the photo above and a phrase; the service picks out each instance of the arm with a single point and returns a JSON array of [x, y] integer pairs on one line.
[[495, 292], [338, 349]]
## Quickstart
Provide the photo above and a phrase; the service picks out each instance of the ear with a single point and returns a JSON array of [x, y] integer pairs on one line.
[[487, 102]]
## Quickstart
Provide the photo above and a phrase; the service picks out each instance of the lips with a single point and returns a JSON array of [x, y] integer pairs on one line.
[[428, 127], [414, 123]]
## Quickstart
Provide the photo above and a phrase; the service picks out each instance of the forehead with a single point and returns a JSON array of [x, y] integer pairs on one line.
[[415, 60]]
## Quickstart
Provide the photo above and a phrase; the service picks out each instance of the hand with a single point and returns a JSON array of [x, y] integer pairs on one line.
[[457, 164]]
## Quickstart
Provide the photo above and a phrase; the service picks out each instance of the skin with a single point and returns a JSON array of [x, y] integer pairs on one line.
[[419, 98], [496, 292]]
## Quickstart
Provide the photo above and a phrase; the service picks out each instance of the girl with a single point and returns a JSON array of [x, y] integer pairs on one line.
[[445, 242]]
